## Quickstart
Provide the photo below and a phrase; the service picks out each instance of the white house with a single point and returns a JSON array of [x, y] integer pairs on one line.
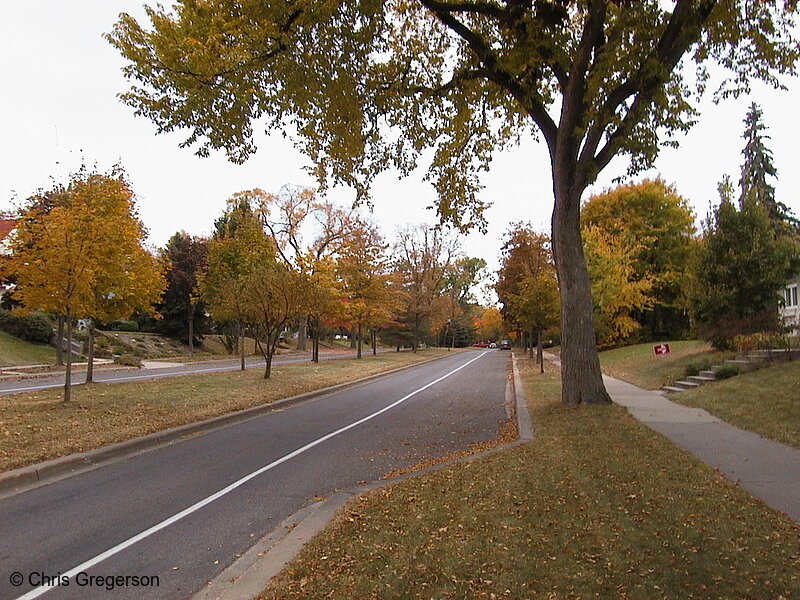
[[791, 304]]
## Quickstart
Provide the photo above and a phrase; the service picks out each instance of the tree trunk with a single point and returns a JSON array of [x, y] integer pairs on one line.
[[581, 378], [90, 354], [374, 343], [191, 329], [60, 342], [302, 334], [530, 343], [241, 345], [68, 372], [539, 350], [353, 338], [358, 344]]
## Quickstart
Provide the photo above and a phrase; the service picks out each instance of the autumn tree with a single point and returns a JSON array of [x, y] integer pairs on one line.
[[490, 324], [526, 283], [307, 232], [422, 257], [655, 227], [82, 257], [183, 313], [246, 281], [238, 242], [369, 86], [128, 277], [618, 292]]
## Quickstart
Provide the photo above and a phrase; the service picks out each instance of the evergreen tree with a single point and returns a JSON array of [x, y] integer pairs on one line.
[[758, 168], [742, 263]]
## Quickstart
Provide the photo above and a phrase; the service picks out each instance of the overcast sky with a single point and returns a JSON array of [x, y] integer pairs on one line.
[[59, 107]]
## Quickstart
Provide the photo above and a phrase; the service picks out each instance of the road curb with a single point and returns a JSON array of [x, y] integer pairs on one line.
[[24, 478], [247, 577]]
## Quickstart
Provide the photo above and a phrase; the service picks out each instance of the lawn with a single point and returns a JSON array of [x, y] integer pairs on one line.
[[640, 366], [14, 352], [766, 401], [38, 426], [597, 506]]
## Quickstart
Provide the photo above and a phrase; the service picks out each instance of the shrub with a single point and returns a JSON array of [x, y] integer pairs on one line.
[[129, 360], [726, 372], [694, 367], [34, 328], [123, 326]]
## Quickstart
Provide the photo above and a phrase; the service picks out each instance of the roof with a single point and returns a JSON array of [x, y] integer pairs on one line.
[[6, 226]]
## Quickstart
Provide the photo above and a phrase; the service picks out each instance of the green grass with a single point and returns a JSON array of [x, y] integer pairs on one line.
[[14, 352], [766, 401], [639, 365], [38, 426], [597, 506]]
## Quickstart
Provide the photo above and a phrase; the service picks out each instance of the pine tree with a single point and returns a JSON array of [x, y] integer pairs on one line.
[[758, 168]]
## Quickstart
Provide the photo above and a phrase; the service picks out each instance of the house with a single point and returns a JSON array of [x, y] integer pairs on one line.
[[6, 229], [790, 311]]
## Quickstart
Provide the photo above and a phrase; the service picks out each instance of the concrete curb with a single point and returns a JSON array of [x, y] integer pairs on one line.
[[249, 575], [25, 478]]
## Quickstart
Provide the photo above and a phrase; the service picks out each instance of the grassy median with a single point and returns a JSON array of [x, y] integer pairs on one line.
[[38, 426], [597, 506]]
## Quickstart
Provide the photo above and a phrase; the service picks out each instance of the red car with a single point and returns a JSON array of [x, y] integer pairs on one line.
[[480, 345]]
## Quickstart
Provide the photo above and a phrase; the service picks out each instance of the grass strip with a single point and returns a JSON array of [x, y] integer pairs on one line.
[[596, 506], [640, 366], [766, 401], [38, 426]]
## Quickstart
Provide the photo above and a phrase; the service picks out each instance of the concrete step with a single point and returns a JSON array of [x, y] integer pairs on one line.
[[742, 364], [671, 389], [686, 385], [700, 379], [708, 374]]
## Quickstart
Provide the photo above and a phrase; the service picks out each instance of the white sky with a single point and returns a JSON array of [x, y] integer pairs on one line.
[[59, 107]]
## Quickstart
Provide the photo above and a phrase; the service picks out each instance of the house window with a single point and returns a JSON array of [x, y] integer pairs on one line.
[[790, 293]]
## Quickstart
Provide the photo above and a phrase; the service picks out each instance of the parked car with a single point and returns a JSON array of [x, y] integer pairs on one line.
[[480, 345], [505, 345], [492, 345]]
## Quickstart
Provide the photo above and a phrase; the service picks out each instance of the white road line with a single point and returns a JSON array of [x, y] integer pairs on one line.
[[36, 592]]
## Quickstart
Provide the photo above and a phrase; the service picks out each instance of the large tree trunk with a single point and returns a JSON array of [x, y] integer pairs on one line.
[[358, 351], [60, 342], [90, 354], [374, 343], [581, 378], [68, 372]]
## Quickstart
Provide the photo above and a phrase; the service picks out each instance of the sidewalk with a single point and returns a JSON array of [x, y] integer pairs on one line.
[[768, 470]]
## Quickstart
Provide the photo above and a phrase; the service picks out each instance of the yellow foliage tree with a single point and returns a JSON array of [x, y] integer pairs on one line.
[[617, 291], [83, 257]]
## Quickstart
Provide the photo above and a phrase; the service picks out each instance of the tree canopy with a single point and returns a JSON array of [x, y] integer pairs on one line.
[[367, 86]]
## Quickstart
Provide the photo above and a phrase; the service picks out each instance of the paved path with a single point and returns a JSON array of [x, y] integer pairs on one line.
[[768, 470]]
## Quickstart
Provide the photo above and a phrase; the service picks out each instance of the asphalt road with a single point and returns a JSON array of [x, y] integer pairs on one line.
[[111, 375], [182, 513]]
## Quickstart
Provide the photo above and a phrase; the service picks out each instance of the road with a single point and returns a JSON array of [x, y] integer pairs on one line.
[[112, 375], [183, 512]]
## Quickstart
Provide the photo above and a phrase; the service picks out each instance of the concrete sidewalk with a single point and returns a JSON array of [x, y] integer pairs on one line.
[[768, 470]]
